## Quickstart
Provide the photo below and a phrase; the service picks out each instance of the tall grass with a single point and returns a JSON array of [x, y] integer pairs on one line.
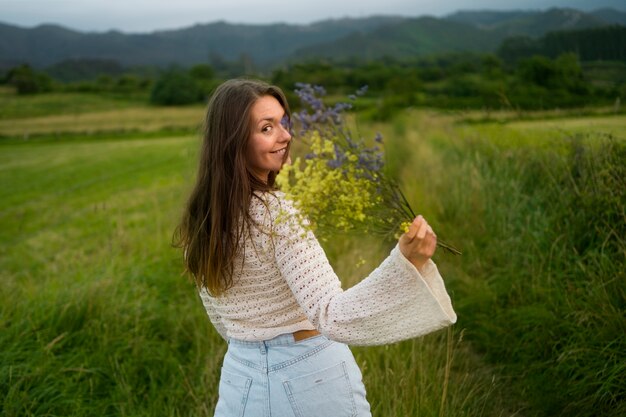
[[435, 375], [95, 319], [541, 286]]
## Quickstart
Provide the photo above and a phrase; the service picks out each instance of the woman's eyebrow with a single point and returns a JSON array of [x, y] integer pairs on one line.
[[271, 119]]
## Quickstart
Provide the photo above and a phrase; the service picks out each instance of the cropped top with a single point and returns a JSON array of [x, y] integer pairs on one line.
[[283, 282]]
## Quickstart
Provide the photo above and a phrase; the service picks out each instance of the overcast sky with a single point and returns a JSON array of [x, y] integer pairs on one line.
[[148, 15]]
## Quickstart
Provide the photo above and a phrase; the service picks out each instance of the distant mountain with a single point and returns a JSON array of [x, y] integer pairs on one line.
[[465, 31], [265, 44], [528, 23], [47, 44], [268, 46], [611, 16], [413, 37], [487, 19]]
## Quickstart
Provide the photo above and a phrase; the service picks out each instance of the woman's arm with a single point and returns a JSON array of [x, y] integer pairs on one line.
[[213, 314], [395, 302]]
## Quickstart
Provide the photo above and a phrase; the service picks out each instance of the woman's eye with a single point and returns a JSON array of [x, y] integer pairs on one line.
[[266, 128]]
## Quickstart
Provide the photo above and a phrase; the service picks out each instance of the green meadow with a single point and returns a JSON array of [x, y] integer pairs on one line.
[[97, 319]]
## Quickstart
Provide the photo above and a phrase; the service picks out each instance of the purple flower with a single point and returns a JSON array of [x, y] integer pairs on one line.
[[328, 121], [287, 124], [319, 90], [334, 163]]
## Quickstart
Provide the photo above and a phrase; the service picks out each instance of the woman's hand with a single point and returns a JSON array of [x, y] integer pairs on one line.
[[418, 244]]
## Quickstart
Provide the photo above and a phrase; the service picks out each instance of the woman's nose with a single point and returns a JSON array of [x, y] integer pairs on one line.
[[286, 133]]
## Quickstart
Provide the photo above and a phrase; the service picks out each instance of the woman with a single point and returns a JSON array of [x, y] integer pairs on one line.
[[266, 283]]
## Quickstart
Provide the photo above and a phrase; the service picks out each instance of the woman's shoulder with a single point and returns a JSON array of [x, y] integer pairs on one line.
[[272, 207], [272, 201], [268, 196], [265, 205]]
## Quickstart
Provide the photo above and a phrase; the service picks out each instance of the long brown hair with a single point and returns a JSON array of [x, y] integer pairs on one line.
[[216, 214]]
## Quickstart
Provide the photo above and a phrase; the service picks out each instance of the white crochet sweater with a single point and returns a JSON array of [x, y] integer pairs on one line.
[[283, 282]]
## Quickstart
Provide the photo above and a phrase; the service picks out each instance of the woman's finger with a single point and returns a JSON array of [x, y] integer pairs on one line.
[[432, 242], [413, 228], [421, 234]]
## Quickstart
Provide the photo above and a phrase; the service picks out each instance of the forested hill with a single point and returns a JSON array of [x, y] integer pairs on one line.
[[412, 37], [612, 16], [267, 46], [264, 44], [537, 23], [606, 43], [468, 31]]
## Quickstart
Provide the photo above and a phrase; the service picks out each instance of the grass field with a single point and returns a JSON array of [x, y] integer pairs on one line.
[[29, 106], [142, 119], [95, 317]]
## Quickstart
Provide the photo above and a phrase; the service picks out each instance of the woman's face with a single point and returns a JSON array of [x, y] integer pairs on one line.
[[269, 139]]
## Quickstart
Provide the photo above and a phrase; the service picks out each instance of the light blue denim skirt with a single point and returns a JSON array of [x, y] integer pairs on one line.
[[283, 378]]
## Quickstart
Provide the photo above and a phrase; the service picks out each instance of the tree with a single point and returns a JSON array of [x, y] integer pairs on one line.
[[492, 67], [202, 72], [28, 81], [538, 70], [518, 47], [562, 73], [570, 74], [175, 87], [204, 76]]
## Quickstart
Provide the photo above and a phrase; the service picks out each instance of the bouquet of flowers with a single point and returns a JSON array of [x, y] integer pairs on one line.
[[340, 185]]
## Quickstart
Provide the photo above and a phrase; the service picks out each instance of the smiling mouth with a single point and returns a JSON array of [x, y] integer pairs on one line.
[[280, 151]]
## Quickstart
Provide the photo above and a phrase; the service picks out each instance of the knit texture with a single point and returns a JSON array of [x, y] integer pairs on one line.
[[283, 282]]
